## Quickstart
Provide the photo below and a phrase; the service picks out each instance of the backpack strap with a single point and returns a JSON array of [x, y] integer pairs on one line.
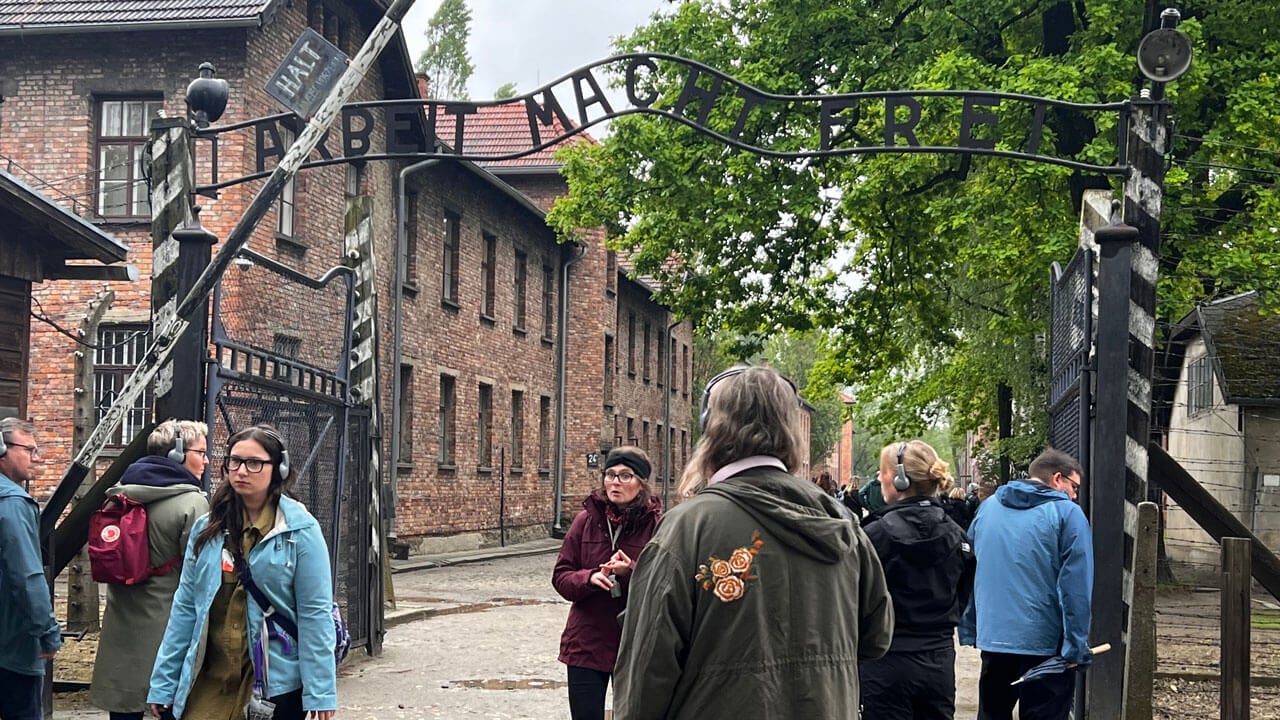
[[269, 613], [165, 568]]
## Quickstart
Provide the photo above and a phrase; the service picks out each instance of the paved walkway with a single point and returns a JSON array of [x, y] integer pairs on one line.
[[410, 608]]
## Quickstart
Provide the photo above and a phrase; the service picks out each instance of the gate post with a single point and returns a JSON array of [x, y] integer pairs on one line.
[[180, 252], [1127, 276]]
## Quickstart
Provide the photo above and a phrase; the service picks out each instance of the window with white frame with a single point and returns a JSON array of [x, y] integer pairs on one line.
[[123, 131], [120, 348]]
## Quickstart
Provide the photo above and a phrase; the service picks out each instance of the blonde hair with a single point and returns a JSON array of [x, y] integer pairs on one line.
[[927, 472], [164, 437], [753, 412]]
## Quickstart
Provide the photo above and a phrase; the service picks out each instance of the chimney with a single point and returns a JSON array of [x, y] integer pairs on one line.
[[424, 85]]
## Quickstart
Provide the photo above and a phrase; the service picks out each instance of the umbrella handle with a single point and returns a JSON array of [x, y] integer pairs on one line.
[[1099, 649]]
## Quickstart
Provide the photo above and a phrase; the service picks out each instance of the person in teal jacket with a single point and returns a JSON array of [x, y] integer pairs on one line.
[[30, 632], [205, 670]]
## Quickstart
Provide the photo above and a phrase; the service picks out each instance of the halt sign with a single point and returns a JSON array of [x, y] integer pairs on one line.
[[308, 73]]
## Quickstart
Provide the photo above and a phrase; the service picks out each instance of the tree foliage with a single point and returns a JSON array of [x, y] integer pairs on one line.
[[929, 273], [506, 91], [446, 60]]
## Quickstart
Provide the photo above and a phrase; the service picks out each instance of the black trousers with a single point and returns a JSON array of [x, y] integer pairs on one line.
[[587, 689], [916, 685], [20, 695], [1044, 698]]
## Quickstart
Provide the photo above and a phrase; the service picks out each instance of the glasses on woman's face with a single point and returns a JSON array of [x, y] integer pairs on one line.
[[253, 465], [625, 478]]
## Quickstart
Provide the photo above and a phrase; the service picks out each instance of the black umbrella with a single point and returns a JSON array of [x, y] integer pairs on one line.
[[1056, 665]]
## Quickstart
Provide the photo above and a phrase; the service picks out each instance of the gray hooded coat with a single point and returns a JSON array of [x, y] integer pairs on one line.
[[134, 621]]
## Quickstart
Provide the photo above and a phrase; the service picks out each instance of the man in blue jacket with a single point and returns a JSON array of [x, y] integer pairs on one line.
[[31, 634], [1032, 591]]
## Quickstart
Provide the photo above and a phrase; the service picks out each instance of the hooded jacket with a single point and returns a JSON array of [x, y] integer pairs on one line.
[[929, 565], [591, 633], [755, 599], [133, 623], [291, 566], [26, 610], [1034, 582]]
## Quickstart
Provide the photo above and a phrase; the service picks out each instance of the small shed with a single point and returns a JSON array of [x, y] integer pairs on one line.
[[40, 240]]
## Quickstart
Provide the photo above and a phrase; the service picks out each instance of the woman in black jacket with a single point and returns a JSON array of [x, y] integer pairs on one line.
[[929, 565]]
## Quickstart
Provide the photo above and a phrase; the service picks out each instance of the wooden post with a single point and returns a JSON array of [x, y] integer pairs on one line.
[[1235, 628], [1140, 664], [83, 613]]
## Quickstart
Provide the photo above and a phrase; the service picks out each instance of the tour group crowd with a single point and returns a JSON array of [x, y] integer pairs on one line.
[[758, 594]]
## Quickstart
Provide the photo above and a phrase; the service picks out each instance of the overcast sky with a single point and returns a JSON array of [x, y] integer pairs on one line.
[[532, 42]]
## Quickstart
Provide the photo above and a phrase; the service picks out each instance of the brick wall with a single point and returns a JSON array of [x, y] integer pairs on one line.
[[47, 134]]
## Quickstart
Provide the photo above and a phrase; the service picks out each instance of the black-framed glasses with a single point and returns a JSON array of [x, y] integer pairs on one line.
[[203, 453], [620, 477], [253, 465], [32, 449]]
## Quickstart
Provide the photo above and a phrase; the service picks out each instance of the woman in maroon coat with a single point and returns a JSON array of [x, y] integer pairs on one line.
[[594, 569]]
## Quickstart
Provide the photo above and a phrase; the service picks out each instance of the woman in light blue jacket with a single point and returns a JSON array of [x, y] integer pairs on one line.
[[205, 668]]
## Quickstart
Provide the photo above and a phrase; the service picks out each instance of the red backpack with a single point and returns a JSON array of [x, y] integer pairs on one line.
[[119, 549]]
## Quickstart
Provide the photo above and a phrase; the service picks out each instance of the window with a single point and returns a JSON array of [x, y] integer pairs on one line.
[[517, 429], [449, 263], [489, 277], [631, 344], [123, 131], [411, 239], [662, 358], [484, 427], [544, 433], [548, 302], [1200, 386], [355, 177], [684, 367], [608, 369], [447, 435], [518, 312], [285, 346], [611, 270], [671, 358], [644, 364], [684, 448], [631, 431], [644, 436], [287, 204], [406, 414], [119, 349]]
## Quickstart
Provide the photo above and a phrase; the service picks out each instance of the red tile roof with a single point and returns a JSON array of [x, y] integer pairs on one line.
[[504, 129], [29, 15]]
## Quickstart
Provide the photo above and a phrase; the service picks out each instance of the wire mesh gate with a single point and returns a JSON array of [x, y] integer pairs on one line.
[[1071, 340], [282, 343]]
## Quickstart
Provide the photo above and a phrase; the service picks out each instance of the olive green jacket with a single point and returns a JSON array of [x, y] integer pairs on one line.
[[135, 617], [755, 599]]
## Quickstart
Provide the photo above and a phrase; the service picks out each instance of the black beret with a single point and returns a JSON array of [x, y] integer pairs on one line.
[[633, 460]]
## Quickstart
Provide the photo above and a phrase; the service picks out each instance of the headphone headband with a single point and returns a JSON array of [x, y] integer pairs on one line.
[[705, 409]]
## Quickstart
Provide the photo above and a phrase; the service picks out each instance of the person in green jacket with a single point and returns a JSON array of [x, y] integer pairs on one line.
[[167, 481], [757, 595], [30, 632]]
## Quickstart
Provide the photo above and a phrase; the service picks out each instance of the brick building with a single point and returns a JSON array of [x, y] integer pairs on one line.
[[514, 346]]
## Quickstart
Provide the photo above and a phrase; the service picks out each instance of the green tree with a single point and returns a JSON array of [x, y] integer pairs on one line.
[[506, 92], [930, 271], [446, 60]]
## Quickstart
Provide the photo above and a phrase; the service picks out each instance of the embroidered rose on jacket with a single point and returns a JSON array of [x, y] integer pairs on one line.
[[727, 579], [730, 588]]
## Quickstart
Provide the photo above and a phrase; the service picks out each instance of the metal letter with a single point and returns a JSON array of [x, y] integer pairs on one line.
[[832, 116], [584, 101], [632, 81], [970, 117], [692, 92], [891, 125]]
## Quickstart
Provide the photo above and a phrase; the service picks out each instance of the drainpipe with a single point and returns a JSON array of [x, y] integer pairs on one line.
[[562, 370], [397, 296], [666, 420]]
